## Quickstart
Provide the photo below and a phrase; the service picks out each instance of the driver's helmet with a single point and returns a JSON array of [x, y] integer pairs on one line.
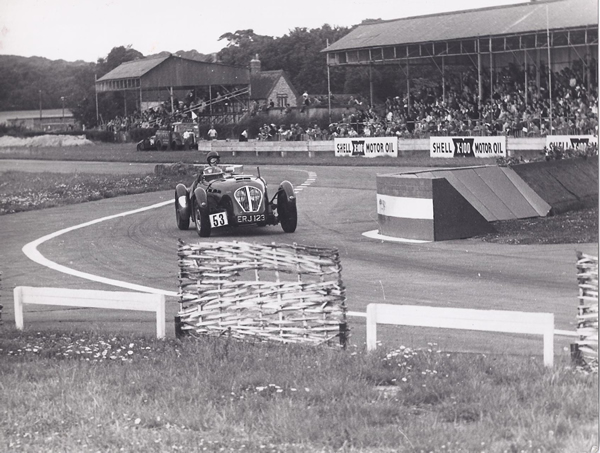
[[213, 155]]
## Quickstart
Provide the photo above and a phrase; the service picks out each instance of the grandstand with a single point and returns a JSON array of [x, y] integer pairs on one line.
[[501, 70]]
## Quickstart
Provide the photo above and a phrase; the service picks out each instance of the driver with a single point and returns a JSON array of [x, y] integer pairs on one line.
[[213, 160]]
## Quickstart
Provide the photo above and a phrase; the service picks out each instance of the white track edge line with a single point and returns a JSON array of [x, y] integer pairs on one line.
[[31, 251]]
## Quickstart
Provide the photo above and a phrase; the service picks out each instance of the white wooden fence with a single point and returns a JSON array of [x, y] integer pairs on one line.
[[116, 300], [462, 318]]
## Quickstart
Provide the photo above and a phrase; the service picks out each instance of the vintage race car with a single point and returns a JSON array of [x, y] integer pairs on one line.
[[220, 197]]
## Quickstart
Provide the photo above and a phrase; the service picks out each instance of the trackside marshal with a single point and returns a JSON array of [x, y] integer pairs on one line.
[[467, 146], [366, 146]]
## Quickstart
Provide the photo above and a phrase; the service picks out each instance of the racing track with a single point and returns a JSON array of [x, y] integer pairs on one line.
[[334, 211]]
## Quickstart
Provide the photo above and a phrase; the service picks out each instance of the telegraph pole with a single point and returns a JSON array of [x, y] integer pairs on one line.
[[41, 109]]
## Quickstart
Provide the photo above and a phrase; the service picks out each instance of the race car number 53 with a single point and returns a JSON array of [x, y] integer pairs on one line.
[[218, 220]]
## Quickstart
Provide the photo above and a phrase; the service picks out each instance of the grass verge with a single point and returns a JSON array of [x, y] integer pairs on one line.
[[20, 191], [79, 391]]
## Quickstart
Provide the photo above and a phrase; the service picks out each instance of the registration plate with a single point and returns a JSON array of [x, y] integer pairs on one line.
[[251, 218], [218, 220]]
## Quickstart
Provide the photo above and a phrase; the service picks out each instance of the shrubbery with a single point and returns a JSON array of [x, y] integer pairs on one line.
[[138, 134], [99, 136]]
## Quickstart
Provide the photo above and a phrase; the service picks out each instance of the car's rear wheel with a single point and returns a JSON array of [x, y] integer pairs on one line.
[[159, 145], [140, 146], [287, 212], [202, 221], [183, 221]]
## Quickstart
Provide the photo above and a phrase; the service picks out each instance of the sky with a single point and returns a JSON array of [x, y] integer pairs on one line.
[[87, 30]]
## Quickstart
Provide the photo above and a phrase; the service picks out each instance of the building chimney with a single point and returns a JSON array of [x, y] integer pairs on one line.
[[255, 66]]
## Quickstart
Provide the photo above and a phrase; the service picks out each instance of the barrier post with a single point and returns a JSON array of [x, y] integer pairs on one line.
[[371, 327], [160, 316], [18, 296]]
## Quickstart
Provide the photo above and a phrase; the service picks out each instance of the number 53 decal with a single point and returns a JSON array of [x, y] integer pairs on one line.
[[218, 220]]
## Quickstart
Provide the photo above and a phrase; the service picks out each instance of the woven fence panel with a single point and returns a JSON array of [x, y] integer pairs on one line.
[[284, 293], [587, 315]]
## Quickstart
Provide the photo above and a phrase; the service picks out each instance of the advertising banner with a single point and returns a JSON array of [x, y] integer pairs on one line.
[[448, 147], [366, 146], [570, 141]]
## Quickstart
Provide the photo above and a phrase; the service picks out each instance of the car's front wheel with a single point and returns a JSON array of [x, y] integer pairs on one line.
[[183, 221], [202, 221], [287, 212]]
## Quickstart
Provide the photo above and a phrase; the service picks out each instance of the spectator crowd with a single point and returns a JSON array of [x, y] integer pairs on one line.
[[512, 109]]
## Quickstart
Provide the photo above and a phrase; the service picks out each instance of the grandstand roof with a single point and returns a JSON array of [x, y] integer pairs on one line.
[[132, 69], [171, 71], [493, 21]]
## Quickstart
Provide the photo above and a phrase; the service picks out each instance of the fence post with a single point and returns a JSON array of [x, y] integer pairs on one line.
[[18, 296], [371, 327], [549, 343], [160, 316]]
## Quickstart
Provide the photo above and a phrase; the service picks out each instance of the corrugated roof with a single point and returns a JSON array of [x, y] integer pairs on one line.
[[499, 20], [133, 69]]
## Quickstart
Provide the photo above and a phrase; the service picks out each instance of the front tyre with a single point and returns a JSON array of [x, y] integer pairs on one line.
[[183, 219], [287, 212], [202, 221]]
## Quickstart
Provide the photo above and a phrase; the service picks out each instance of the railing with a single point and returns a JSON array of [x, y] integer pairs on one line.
[[114, 300], [465, 319]]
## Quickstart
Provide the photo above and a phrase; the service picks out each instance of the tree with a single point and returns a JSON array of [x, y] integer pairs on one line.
[[116, 57], [243, 46], [298, 53]]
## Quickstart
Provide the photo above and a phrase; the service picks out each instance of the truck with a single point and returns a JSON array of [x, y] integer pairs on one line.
[[176, 137]]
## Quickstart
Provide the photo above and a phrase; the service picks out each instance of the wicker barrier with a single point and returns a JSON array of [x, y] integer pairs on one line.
[[587, 317], [1, 306], [278, 292]]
